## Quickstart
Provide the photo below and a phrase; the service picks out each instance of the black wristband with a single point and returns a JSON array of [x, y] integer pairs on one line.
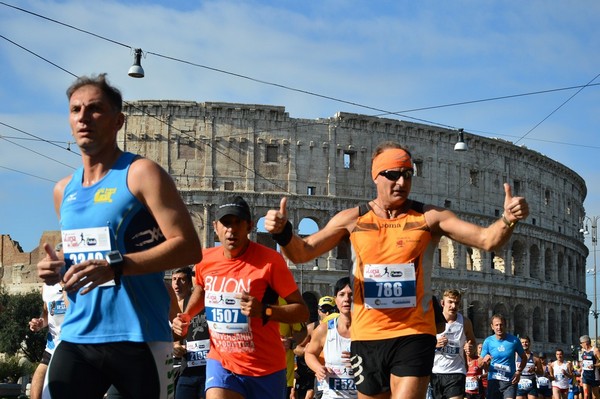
[[285, 236], [118, 272]]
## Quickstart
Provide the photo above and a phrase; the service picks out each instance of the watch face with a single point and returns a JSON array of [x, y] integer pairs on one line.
[[114, 257], [269, 312]]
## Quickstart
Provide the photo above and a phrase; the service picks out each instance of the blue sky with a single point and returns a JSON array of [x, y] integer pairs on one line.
[[390, 55]]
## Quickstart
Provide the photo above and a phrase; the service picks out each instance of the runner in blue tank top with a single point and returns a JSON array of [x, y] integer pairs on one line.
[[499, 351], [123, 223]]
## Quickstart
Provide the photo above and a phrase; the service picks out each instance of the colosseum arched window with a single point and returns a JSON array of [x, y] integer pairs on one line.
[[564, 326], [552, 326], [549, 265], [477, 313], [576, 326], [520, 321], [498, 263], [534, 262], [537, 325], [560, 267], [518, 259], [446, 250], [474, 259], [572, 280]]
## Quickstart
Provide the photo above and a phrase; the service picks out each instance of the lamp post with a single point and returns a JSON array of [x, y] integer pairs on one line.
[[594, 223]]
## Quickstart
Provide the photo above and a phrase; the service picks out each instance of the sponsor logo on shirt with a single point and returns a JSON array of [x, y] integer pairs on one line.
[[104, 195]]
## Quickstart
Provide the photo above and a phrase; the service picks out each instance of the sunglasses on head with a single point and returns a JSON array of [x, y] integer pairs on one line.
[[394, 175]]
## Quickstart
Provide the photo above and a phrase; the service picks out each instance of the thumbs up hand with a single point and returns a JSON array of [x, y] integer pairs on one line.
[[50, 266], [276, 219], [515, 208]]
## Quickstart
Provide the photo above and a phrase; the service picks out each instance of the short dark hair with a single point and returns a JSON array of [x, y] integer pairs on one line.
[[185, 270], [112, 93], [341, 284]]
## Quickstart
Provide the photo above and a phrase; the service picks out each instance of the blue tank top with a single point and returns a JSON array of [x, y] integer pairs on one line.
[[136, 310]]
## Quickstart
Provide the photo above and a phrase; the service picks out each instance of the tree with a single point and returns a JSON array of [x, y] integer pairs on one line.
[[15, 313]]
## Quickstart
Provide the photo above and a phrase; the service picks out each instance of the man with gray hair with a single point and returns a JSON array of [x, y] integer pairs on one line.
[[590, 356]]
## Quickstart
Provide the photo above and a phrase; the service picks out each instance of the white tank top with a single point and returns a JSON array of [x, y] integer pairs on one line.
[[54, 300], [451, 358], [560, 378], [340, 383]]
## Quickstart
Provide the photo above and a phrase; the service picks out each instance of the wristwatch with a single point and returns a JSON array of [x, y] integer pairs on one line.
[[508, 224], [115, 261], [267, 312]]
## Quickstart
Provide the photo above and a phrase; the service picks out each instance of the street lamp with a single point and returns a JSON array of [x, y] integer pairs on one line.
[[594, 223]]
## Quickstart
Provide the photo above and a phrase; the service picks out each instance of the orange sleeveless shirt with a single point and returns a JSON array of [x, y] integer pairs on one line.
[[391, 276]]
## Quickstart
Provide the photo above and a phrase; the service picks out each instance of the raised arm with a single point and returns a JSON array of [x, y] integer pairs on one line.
[[445, 222], [300, 250]]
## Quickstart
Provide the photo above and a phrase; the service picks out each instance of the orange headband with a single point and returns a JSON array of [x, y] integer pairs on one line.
[[390, 158]]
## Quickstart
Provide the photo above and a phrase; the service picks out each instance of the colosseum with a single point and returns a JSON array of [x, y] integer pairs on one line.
[[213, 150]]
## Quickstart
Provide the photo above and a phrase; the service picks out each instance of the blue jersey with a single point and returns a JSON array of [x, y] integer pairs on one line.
[[95, 220], [503, 351]]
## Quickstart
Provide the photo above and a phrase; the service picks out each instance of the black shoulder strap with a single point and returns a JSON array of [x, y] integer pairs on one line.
[[417, 206], [363, 209]]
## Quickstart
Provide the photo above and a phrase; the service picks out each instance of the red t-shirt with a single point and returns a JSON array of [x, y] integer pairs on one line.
[[243, 345]]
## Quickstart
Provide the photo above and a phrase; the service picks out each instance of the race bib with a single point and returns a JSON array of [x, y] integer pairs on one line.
[[472, 384], [500, 373], [224, 313], [587, 365], [543, 382], [390, 286], [451, 349], [341, 384], [196, 352], [525, 384], [86, 244], [559, 376], [57, 308]]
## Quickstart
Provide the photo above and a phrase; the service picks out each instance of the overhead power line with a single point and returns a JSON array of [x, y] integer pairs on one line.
[[38, 138], [28, 174]]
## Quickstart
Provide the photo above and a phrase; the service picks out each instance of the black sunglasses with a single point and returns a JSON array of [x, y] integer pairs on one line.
[[394, 175]]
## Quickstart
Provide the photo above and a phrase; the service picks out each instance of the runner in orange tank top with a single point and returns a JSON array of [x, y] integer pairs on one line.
[[393, 242]]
